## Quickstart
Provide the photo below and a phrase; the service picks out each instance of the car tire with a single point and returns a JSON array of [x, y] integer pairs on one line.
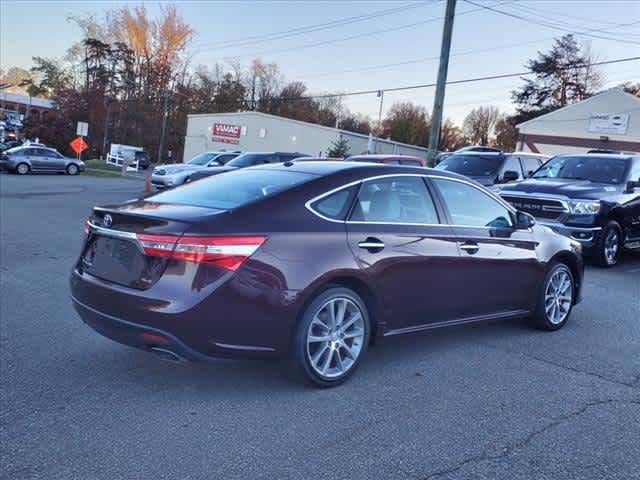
[[22, 168], [556, 298], [327, 349], [72, 169], [608, 247]]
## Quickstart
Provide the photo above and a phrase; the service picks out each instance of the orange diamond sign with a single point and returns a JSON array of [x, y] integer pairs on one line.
[[78, 145]]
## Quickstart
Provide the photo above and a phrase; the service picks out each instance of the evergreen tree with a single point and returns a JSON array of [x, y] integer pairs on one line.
[[339, 148]]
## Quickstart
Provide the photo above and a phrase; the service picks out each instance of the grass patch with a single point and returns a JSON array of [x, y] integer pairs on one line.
[[99, 168]]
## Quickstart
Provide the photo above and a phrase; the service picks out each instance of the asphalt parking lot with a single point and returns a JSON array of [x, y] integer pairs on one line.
[[498, 401]]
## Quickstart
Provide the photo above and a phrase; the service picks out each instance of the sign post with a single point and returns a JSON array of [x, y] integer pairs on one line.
[[82, 130]]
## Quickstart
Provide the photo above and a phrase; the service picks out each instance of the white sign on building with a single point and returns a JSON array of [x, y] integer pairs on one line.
[[613, 123]]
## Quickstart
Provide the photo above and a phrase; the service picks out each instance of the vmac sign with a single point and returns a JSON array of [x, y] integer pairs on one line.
[[226, 133]]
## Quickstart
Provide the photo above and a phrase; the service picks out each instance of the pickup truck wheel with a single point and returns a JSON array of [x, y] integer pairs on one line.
[[609, 245]]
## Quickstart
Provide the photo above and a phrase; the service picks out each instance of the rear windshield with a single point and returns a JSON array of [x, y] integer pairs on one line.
[[472, 165], [592, 168], [232, 189]]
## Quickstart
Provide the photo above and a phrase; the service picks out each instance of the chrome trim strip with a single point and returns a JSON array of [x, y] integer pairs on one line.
[[562, 226], [490, 194], [107, 232]]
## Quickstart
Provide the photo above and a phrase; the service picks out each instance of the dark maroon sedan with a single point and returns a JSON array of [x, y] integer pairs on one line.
[[313, 260]]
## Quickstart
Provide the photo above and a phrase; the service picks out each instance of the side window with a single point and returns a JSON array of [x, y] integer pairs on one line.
[[469, 206], [634, 173], [336, 205], [512, 163], [530, 165], [268, 159], [403, 199], [47, 153]]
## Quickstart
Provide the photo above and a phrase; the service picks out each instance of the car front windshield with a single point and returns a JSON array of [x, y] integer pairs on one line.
[[201, 159], [232, 189], [595, 169], [472, 165]]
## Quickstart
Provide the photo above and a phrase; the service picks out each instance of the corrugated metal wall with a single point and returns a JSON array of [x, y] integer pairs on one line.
[[262, 132]]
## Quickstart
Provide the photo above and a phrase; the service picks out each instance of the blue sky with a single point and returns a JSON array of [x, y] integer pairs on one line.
[[484, 42]]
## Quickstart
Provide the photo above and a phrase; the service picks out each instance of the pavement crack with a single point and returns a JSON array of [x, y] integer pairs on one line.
[[523, 443], [635, 384]]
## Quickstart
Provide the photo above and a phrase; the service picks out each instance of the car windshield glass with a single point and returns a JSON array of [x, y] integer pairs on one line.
[[232, 189], [472, 165], [247, 159], [201, 159], [593, 168]]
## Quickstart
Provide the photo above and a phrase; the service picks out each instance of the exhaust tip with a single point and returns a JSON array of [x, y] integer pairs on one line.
[[167, 355]]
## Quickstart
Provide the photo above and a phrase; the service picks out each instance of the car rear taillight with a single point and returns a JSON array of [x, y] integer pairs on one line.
[[226, 252]]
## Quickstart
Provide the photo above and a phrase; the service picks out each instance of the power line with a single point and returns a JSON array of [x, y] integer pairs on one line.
[[455, 54], [352, 37], [313, 28], [547, 25], [452, 82]]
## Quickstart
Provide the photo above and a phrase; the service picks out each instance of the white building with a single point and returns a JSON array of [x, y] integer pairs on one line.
[[609, 120], [255, 131]]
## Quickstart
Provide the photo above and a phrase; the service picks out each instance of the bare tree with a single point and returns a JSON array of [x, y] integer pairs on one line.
[[479, 124]]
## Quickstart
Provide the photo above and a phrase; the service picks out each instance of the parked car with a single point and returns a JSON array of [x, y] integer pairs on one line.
[[174, 174], [312, 261], [477, 148], [9, 144], [28, 159], [489, 168], [247, 159], [591, 198], [389, 159]]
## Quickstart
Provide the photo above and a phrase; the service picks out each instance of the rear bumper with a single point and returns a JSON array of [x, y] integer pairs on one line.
[[197, 313], [135, 335]]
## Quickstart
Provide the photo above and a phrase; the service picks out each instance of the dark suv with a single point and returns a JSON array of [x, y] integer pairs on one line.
[[248, 159], [489, 168], [592, 198]]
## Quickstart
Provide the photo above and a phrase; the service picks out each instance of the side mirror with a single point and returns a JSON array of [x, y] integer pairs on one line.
[[214, 163], [631, 186], [524, 220], [510, 176]]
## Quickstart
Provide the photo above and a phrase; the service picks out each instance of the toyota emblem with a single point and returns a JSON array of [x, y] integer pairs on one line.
[[107, 220]]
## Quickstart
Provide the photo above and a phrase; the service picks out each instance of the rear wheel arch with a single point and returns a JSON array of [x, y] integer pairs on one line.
[[358, 286]]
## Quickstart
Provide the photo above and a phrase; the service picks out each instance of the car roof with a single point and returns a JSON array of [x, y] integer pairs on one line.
[[620, 156], [325, 167], [384, 156]]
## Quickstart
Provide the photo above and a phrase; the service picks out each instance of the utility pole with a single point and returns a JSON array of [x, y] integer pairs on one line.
[[165, 114], [381, 97], [438, 102]]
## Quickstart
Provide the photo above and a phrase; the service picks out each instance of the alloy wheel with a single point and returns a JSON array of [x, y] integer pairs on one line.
[[558, 296], [335, 337], [72, 169], [23, 168], [611, 246]]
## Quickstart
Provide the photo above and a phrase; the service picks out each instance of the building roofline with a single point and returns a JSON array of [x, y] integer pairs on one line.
[[324, 127], [580, 103]]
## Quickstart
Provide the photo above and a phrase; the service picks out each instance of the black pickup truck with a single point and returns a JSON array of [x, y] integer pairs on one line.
[[592, 198]]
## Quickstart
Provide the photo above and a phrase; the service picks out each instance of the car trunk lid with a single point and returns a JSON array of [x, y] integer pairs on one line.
[[114, 249]]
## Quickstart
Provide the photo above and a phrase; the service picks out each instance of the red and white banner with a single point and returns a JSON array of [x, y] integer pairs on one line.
[[226, 133]]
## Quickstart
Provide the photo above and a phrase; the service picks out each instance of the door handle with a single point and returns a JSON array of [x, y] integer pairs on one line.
[[470, 247], [371, 243]]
